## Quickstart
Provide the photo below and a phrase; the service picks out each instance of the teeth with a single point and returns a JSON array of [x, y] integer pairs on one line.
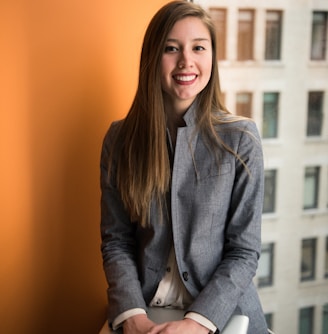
[[185, 77]]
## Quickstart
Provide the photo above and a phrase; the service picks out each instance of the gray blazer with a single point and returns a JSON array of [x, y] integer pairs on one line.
[[215, 227]]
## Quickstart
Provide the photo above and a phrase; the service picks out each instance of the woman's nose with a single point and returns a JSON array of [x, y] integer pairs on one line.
[[185, 60]]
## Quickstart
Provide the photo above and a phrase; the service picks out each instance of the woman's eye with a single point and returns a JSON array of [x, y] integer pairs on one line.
[[199, 48], [171, 48]]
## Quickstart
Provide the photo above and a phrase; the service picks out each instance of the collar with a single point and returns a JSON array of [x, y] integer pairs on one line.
[[190, 115]]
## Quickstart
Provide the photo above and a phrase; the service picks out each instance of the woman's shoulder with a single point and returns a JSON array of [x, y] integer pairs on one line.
[[113, 130], [234, 130], [230, 122]]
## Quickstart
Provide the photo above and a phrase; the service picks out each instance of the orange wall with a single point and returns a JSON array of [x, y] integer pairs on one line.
[[67, 69]]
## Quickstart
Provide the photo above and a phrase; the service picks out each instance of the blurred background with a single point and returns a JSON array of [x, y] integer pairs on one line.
[[273, 65], [67, 69]]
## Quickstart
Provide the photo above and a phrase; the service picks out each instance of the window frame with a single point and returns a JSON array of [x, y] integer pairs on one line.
[[273, 35], [310, 316], [326, 258], [267, 281], [324, 318], [220, 30], [311, 173], [270, 179], [246, 28], [318, 50], [270, 112], [309, 245], [269, 320], [244, 109], [315, 113]]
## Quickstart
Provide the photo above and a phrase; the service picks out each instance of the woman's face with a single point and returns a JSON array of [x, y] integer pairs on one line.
[[186, 63]]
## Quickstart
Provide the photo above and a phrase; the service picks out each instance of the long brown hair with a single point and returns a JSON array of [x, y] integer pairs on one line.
[[143, 170]]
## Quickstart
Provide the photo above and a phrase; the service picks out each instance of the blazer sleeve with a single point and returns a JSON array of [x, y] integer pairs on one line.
[[220, 297], [118, 244]]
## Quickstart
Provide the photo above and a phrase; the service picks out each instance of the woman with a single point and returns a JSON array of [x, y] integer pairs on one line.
[[182, 189]]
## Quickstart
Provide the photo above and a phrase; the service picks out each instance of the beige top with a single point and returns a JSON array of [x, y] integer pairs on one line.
[[172, 293]]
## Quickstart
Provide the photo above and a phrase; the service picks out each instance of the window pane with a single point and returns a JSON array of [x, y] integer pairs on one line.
[[273, 35], [326, 259], [270, 115], [245, 34], [315, 114], [308, 259], [244, 104], [311, 187], [269, 320], [265, 268], [306, 320], [325, 319], [319, 36], [269, 201], [219, 18]]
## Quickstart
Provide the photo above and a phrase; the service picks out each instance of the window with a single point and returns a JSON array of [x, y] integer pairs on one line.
[[325, 319], [308, 259], [244, 104], [311, 188], [315, 114], [306, 320], [273, 35], [219, 17], [245, 34], [326, 259], [269, 320], [269, 201], [265, 268], [319, 36], [270, 115]]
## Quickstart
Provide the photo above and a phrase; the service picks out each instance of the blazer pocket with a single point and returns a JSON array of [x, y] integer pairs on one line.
[[205, 171]]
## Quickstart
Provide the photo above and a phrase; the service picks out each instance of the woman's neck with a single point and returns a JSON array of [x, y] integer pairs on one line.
[[174, 121]]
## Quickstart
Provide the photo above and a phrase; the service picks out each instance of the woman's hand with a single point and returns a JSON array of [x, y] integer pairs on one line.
[[138, 324], [185, 326]]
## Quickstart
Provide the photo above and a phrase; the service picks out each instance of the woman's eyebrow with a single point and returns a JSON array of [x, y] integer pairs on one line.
[[199, 39]]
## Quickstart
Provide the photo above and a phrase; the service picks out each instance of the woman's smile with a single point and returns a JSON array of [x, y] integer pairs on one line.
[[185, 79]]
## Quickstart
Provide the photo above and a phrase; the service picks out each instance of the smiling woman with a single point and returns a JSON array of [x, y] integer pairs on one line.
[[186, 63], [182, 190]]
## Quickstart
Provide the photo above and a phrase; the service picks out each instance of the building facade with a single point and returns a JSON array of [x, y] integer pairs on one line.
[[273, 63]]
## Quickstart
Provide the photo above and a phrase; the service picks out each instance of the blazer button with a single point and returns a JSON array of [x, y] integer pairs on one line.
[[185, 276]]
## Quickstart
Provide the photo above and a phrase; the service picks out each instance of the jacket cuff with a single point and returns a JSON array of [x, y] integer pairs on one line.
[[202, 321], [118, 321]]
